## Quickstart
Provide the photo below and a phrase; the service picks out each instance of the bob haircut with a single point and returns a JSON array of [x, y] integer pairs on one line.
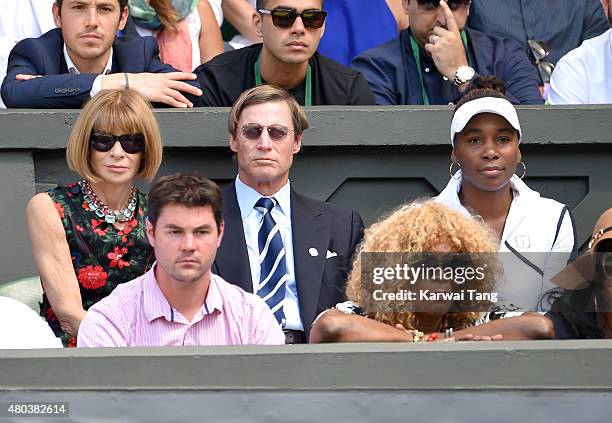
[[117, 112], [267, 94]]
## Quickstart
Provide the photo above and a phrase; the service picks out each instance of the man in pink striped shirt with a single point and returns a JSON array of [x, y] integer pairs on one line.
[[179, 301]]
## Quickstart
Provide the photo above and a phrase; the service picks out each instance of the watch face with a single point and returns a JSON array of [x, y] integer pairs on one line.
[[465, 73]]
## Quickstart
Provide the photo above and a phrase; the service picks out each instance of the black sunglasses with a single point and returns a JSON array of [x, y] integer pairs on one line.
[[285, 18], [252, 131], [431, 5], [131, 143]]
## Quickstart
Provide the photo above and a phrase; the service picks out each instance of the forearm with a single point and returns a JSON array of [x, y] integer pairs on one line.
[[53, 262], [336, 326], [51, 91], [527, 326], [239, 13], [64, 296], [210, 40]]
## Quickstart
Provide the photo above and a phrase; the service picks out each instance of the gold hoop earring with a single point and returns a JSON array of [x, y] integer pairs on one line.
[[524, 170], [450, 170]]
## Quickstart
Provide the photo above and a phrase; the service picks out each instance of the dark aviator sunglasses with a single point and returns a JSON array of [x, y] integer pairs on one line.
[[131, 143], [276, 132], [285, 18]]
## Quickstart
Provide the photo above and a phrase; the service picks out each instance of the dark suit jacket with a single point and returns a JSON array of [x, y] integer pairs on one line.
[[393, 76], [59, 89], [315, 224]]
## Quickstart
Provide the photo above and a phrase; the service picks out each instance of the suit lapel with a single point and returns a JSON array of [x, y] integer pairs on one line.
[[57, 63], [310, 227], [232, 258]]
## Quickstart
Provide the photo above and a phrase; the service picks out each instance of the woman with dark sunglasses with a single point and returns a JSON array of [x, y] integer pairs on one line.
[[89, 236], [584, 311], [536, 234]]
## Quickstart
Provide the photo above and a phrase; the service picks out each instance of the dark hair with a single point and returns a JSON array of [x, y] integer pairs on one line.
[[122, 4], [482, 86], [184, 189], [261, 4]]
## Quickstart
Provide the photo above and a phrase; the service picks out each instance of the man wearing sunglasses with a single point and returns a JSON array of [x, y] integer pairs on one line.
[[287, 57], [72, 63], [293, 251], [433, 60]]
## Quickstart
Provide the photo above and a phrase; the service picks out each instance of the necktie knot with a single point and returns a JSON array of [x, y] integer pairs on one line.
[[265, 203]]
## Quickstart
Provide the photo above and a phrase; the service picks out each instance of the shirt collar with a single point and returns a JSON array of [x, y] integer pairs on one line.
[[247, 197], [450, 195], [156, 305], [73, 69]]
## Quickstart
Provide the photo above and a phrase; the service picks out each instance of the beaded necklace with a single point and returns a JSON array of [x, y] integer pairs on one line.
[[103, 211]]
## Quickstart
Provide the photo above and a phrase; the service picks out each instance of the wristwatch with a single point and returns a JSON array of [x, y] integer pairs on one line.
[[464, 74]]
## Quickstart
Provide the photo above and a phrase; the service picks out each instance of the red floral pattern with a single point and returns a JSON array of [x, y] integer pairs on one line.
[[95, 225], [60, 210], [117, 257], [92, 277], [102, 256]]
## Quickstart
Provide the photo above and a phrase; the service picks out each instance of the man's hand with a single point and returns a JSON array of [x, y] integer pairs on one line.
[[24, 77], [156, 87], [446, 47]]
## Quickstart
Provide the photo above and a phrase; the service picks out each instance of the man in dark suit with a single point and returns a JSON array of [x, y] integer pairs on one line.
[[293, 251], [434, 60], [68, 65]]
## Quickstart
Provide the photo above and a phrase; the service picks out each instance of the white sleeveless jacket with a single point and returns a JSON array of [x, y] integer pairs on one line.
[[537, 242]]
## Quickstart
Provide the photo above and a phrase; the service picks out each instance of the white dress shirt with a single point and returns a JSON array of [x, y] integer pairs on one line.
[[97, 83], [251, 221], [584, 75]]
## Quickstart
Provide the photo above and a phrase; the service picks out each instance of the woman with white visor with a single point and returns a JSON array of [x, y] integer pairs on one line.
[[536, 234]]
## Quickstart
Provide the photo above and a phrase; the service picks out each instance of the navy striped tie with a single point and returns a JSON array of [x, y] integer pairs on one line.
[[273, 267]]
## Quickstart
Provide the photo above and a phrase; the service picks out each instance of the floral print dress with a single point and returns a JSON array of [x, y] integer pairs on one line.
[[102, 256]]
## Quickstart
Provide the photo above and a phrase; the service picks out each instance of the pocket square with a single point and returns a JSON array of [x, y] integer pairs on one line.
[[330, 254]]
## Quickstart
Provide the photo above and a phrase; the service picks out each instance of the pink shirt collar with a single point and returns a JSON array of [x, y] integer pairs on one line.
[[156, 305]]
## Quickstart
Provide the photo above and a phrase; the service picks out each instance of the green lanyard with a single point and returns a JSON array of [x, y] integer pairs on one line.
[[307, 94], [417, 59]]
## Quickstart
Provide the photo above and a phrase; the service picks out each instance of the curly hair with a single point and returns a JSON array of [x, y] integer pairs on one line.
[[421, 227]]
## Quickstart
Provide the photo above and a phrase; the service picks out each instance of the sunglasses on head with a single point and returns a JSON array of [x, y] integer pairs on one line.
[[431, 5], [276, 132], [285, 18], [131, 143]]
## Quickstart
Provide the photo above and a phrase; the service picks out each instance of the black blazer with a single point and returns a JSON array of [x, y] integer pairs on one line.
[[315, 224]]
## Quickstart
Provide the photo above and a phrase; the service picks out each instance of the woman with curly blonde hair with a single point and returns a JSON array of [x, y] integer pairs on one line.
[[425, 230]]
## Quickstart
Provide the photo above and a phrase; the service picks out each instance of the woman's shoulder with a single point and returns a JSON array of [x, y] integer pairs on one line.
[[68, 190], [549, 205], [540, 205]]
